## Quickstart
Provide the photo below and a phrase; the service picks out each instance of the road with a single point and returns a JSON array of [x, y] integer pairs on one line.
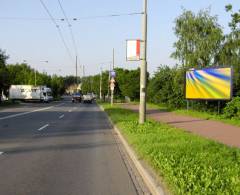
[[60, 148]]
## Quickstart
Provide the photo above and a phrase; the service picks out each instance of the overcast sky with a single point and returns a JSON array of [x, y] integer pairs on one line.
[[25, 38]]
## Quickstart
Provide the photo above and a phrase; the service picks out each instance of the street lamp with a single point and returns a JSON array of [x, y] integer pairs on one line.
[[35, 70]]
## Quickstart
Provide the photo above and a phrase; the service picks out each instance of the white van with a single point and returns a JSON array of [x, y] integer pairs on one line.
[[30, 93]]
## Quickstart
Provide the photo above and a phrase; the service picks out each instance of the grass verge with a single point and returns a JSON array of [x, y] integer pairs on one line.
[[197, 114], [208, 116], [188, 163]]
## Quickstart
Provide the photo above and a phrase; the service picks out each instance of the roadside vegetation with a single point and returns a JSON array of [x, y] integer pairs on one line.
[[200, 43], [189, 164], [23, 74]]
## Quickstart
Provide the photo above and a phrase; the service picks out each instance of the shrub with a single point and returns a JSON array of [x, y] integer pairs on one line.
[[232, 108]]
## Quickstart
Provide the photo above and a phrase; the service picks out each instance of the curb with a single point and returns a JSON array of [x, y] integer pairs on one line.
[[154, 188]]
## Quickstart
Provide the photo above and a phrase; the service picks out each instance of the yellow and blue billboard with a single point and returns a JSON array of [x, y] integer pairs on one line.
[[209, 84]]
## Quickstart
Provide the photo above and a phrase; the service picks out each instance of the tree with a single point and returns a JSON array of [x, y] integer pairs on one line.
[[167, 86], [230, 50], [199, 39], [4, 80], [128, 82], [57, 86]]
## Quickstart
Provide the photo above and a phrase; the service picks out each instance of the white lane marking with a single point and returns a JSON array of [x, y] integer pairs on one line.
[[61, 116], [70, 111], [43, 127], [25, 113], [1, 153]]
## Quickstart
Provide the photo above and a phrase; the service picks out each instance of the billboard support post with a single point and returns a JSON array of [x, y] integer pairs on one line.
[[219, 107]]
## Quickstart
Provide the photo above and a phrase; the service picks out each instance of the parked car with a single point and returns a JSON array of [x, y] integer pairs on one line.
[[88, 98], [76, 97]]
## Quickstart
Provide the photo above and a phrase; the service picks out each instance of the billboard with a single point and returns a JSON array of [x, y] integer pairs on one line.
[[133, 50], [209, 84]]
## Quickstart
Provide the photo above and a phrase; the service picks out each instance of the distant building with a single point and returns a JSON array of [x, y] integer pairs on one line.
[[74, 88]]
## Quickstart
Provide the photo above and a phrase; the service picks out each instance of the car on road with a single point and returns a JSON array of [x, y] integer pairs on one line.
[[88, 98], [76, 97]]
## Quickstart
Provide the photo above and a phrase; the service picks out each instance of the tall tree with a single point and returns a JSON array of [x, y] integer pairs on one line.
[[4, 81], [199, 38], [230, 50]]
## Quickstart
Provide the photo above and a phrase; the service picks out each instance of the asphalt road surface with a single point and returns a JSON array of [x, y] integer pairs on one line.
[[60, 148]]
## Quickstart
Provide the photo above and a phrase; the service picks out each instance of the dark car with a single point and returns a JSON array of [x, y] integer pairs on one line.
[[76, 97]]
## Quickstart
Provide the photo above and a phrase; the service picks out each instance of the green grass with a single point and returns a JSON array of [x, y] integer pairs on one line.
[[208, 116], [189, 164], [197, 114]]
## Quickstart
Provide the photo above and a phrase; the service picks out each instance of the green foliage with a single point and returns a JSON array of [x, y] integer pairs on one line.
[[189, 164], [229, 53], [199, 38], [4, 81], [57, 85], [200, 43], [232, 109], [167, 87], [127, 83]]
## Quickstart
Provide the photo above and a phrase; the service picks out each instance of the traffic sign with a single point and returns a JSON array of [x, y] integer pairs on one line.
[[113, 74]]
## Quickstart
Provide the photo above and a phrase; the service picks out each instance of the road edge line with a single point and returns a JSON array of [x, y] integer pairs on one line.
[[152, 185]]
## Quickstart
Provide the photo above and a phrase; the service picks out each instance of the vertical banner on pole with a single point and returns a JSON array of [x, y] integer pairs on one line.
[[133, 50]]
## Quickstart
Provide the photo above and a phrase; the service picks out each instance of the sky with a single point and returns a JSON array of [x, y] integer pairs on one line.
[[26, 32]]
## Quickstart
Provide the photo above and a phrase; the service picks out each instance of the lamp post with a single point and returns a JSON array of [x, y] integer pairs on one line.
[[35, 71]]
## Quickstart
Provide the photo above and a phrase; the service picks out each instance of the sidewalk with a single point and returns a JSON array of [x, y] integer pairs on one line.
[[215, 130]]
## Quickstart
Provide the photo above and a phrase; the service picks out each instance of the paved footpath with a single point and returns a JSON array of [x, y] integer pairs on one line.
[[221, 132]]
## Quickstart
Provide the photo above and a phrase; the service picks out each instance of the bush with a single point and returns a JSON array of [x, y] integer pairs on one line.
[[232, 110]]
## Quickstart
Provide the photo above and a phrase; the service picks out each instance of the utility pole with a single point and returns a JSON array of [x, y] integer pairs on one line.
[[100, 90], [142, 106]]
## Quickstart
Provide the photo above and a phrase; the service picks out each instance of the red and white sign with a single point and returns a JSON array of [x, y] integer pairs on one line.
[[133, 50]]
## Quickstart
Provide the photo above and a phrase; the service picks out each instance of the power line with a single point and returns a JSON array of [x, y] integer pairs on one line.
[[108, 16], [74, 19], [58, 28], [69, 26]]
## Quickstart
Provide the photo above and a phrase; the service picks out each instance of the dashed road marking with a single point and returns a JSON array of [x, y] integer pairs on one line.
[[43, 127], [25, 113], [60, 117]]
